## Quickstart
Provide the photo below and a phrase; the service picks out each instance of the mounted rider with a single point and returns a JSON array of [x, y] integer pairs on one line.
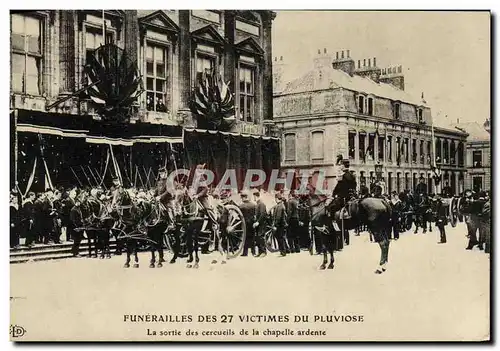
[[165, 196], [345, 188]]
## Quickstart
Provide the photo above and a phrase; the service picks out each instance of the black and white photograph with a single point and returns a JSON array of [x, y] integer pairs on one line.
[[250, 175]]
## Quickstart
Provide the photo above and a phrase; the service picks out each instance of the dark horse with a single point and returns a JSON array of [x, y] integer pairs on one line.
[[100, 225], [375, 213], [158, 220], [130, 226]]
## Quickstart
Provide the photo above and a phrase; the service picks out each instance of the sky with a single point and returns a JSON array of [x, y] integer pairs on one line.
[[445, 55]]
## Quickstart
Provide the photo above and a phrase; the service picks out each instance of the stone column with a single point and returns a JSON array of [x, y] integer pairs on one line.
[[131, 33], [229, 51], [356, 147], [267, 101], [184, 67], [67, 52]]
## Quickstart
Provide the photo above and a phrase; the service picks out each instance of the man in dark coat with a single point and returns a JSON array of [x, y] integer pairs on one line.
[[28, 219], [280, 223], [344, 189], [76, 218], [293, 223], [441, 219], [14, 221], [260, 225], [248, 209], [397, 210]]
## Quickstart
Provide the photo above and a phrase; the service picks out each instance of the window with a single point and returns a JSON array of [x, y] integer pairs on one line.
[[429, 152], [247, 93], [361, 104], [398, 182], [362, 138], [414, 151], [405, 145], [429, 184], [290, 147], [477, 184], [389, 148], [477, 158], [420, 115], [370, 152], [317, 145], [381, 149], [396, 111], [460, 154], [438, 151], [26, 38], [421, 152], [204, 64], [370, 106], [389, 182], [93, 39], [446, 156], [453, 152], [407, 181], [157, 78], [362, 178], [352, 145]]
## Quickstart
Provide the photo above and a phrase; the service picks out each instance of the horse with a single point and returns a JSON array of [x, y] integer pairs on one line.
[[101, 224], [373, 212], [321, 227], [129, 227]]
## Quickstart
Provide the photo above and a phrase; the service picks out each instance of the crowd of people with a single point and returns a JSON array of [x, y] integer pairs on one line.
[[47, 217]]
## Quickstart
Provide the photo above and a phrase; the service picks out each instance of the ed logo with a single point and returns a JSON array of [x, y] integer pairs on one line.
[[17, 331]]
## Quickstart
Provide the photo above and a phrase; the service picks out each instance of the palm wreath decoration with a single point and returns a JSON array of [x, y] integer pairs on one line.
[[212, 103], [114, 82]]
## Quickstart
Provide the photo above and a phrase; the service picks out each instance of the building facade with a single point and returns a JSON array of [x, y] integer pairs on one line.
[[362, 112], [478, 156], [171, 48]]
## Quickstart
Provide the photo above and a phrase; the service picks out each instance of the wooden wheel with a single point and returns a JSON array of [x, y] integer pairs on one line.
[[235, 231], [453, 212]]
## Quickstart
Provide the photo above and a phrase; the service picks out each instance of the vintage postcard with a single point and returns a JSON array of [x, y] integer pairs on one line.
[[250, 175]]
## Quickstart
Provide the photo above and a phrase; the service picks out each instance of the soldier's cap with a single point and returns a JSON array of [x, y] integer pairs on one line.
[[255, 191], [245, 193], [346, 163]]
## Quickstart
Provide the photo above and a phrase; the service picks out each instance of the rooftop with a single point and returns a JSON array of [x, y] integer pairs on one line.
[[333, 78], [476, 131]]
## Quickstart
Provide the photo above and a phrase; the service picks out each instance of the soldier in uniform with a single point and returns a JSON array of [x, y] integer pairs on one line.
[[165, 196], [248, 209], [421, 187], [441, 219], [28, 219], [397, 210], [345, 188], [259, 225], [473, 207], [293, 223], [280, 223], [447, 191], [76, 217], [14, 220]]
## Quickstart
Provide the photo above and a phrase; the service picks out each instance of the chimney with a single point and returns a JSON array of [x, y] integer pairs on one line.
[[368, 70], [345, 62], [278, 80], [394, 77]]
